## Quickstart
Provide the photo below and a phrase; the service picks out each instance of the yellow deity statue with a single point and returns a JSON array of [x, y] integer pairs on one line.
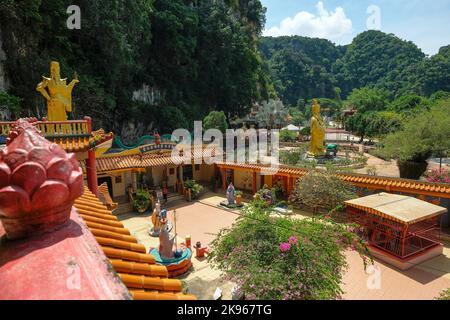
[[57, 93], [317, 145]]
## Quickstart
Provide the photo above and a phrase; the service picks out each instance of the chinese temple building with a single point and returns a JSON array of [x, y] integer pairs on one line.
[[102, 259]]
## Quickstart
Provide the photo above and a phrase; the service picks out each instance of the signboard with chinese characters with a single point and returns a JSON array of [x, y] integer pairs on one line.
[[154, 147]]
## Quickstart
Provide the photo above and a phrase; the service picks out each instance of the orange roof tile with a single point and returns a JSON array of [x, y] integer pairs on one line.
[[441, 190], [389, 184], [137, 269]]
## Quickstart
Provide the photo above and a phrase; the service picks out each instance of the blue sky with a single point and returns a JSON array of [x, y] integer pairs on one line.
[[425, 22]]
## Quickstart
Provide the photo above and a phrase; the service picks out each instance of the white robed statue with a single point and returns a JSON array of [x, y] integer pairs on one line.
[[231, 194]]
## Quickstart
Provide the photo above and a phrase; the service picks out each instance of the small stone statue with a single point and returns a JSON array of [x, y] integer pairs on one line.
[[231, 194], [156, 220]]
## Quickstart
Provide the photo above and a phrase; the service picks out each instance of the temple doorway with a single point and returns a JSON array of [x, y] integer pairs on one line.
[[188, 173]]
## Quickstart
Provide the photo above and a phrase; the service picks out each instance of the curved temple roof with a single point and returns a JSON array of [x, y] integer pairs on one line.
[[144, 279], [403, 209]]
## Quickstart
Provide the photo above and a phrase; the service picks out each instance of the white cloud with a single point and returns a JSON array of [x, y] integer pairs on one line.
[[331, 25]]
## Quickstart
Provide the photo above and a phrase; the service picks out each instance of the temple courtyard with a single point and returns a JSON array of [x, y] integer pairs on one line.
[[203, 219]]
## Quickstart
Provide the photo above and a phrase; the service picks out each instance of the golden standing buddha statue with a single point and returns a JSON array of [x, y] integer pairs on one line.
[[317, 145], [57, 93]]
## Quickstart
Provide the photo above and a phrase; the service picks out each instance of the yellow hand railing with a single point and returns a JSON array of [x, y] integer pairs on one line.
[[56, 129]]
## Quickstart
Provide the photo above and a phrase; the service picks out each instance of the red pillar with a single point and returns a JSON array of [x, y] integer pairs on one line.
[[289, 186], [223, 172], [91, 164], [254, 183]]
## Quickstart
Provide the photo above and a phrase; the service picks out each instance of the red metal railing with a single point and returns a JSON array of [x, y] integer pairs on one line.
[[395, 238]]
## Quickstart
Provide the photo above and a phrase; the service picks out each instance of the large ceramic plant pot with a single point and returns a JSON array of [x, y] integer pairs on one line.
[[238, 200], [411, 169]]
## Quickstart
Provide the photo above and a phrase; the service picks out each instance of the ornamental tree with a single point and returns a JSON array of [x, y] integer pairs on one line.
[[425, 134], [288, 136], [215, 120], [321, 189]]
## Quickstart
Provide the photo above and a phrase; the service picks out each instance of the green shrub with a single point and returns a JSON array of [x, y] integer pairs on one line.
[[10, 103], [141, 200], [194, 187], [423, 135], [287, 136], [305, 131], [321, 189], [215, 120], [444, 295]]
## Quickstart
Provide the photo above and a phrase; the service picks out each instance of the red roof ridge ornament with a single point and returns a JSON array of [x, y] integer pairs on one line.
[[39, 183]]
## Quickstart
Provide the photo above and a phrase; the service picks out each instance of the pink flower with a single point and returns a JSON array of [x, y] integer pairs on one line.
[[285, 247], [293, 240], [439, 175]]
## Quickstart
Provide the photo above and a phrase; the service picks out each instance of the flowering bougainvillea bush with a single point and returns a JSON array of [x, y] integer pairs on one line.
[[439, 175], [280, 258]]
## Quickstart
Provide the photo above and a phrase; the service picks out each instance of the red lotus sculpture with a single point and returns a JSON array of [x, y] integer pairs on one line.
[[39, 183]]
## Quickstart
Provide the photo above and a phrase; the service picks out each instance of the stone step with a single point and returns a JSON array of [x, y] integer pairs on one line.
[[174, 196]]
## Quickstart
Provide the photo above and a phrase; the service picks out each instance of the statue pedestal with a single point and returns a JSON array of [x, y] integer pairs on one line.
[[319, 159], [322, 160], [176, 266], [230, 206]]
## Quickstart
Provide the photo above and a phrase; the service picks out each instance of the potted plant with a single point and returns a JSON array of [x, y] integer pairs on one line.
[[194, 187], [141, 201], [238, 195]]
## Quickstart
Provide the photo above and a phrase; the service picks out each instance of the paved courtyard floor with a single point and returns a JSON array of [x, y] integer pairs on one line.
[[203, 220], [383, 282]]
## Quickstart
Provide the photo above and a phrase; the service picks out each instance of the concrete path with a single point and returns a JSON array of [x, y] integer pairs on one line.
[[383, 282]]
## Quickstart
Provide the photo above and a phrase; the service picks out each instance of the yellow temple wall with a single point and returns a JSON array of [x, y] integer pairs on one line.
[[158, 175], [171, 178], [243, 180], [119, 180], [203, 172], [268, 181], [119, 184]]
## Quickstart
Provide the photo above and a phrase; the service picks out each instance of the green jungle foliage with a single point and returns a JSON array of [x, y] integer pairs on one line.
[[194, 56], [170, 62], [303, 68], [215, 120]]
